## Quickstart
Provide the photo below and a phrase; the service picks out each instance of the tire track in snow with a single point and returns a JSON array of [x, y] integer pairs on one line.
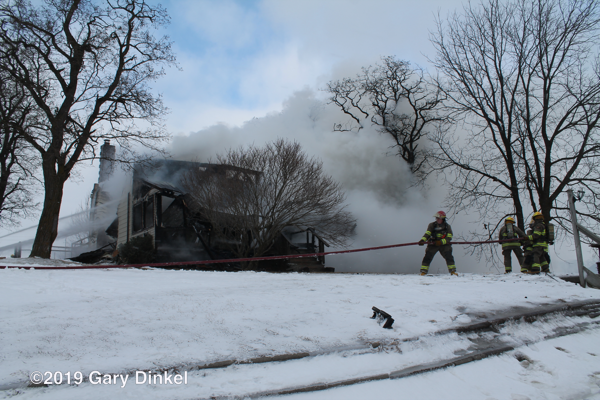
[[481, 348]]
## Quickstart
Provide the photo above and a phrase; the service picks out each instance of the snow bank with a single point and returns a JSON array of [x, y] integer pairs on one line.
[[123, 320]]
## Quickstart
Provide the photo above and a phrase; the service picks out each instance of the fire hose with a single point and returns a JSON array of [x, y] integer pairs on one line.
[[236, 260]]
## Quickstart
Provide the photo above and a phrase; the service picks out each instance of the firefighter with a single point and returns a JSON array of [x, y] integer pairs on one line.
[[538, 238], [528, 250], [511, 231], [440, 234]]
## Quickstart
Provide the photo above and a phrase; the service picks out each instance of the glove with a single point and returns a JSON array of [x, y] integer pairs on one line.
[[421, 242], [438, 242]]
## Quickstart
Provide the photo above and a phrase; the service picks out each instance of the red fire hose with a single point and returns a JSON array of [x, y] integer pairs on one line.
[[232, 260]]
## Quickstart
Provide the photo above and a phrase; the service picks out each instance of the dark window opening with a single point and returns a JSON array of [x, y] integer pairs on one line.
[[149, 213], [138, 213], [143, 215]]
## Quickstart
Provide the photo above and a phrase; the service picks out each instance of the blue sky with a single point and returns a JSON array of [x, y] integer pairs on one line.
[[243, 59], [216, 41]]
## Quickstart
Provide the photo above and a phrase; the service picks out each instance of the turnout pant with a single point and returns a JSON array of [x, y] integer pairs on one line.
[[539, 260], [545, 264], [507, 253], [526, 267], [445, 251]]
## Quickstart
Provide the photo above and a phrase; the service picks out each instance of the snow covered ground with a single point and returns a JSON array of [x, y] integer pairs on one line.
[[118, 321]]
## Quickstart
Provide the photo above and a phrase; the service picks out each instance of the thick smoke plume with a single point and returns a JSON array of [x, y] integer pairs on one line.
[[377, 182]]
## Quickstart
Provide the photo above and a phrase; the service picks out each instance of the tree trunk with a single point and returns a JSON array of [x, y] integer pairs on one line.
[[48, 226], [519, 211], [4, 173], [546, 207], [514, 189]]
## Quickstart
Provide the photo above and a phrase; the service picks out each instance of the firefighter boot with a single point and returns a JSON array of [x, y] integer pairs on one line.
[[453, 272], [535, 269]]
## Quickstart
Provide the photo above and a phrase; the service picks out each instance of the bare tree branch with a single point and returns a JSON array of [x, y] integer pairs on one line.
[[397, 99], [17, 161], [262, 190], [86, 65], [524, 77]]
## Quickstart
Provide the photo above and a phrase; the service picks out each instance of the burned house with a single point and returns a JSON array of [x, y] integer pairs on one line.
[[155, 203]]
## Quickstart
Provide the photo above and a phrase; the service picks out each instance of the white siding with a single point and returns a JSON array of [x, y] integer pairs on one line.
[[122, 214]]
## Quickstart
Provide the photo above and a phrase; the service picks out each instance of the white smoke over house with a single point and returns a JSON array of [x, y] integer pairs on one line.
[[377, 183], [357, 160]]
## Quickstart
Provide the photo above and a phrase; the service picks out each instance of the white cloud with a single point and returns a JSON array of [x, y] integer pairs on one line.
[[277, 74], [254, 55], [359, 30]]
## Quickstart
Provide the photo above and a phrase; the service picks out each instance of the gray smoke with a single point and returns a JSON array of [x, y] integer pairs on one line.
[[377, 182], [357, 160]]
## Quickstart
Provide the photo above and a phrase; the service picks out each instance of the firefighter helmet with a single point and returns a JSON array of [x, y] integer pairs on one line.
[[538, 215], [510, 219], [440, 214]]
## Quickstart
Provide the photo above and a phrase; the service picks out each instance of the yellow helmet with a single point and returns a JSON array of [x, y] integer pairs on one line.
[[510, 219], [538, 215]]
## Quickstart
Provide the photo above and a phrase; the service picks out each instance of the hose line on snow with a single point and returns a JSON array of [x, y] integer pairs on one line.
[[236, 260]]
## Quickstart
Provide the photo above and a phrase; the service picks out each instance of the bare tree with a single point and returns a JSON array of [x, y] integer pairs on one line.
[[524, 77], [261, 190], [397, 100], [86, 64], [17, 161]]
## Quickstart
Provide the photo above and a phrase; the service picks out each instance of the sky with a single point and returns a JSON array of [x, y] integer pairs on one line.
[[243, 59], [252, 71]]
